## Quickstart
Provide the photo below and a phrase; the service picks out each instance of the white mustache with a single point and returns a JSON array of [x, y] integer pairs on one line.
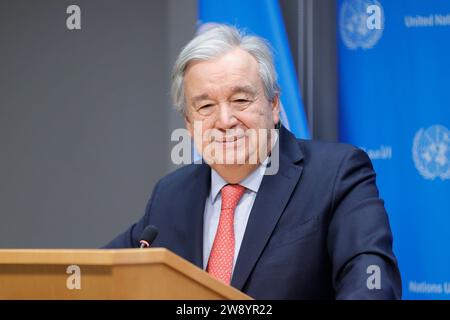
[[228, 137]]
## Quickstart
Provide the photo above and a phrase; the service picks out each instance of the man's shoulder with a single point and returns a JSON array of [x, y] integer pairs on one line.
[[326, 150], [182, 175], [330, 156], [315, 151]]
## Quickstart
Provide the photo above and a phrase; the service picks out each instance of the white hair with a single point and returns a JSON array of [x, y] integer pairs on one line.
[[214, 42]]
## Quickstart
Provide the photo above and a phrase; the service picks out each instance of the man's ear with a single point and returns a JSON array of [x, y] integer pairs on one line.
[[276, 108], [189, 125]]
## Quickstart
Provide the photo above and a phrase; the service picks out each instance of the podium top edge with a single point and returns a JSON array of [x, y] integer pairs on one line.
[[92, 257]]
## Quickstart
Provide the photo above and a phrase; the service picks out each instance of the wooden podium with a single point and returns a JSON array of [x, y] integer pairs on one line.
[[106, 274]]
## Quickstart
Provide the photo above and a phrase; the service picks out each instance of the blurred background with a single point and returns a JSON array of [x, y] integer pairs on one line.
[[86, 115]]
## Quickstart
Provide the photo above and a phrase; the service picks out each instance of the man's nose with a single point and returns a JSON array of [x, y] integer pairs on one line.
[[225, 118]]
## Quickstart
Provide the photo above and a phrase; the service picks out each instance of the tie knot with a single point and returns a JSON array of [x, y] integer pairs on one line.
[[231, 194]]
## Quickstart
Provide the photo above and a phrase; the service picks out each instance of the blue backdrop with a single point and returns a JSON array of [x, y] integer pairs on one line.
[[394, 75]]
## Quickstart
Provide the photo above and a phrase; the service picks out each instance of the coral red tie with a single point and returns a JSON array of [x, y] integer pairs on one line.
[[220, 261]]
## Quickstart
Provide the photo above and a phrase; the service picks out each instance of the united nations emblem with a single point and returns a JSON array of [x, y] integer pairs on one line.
[[431, 152], [361, 23]]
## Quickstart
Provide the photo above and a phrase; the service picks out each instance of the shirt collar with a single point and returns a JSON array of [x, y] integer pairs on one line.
[[252, 182]]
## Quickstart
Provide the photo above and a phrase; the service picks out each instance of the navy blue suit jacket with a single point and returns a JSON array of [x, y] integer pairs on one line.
[[314, 229]]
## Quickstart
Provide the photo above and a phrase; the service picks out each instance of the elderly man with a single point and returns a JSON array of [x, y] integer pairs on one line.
[[314, 229]]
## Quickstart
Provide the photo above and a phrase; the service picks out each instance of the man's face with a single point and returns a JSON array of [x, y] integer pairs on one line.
[[226, 96]]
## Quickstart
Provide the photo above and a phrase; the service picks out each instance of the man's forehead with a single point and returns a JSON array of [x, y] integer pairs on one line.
[[246, 89]]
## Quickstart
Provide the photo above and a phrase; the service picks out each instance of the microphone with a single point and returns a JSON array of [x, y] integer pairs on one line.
[[148, 235]]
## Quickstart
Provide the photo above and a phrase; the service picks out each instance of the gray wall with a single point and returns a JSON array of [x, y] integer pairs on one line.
[[85, 115]]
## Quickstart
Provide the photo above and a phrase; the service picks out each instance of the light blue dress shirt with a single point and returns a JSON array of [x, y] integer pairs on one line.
[[242, 212]]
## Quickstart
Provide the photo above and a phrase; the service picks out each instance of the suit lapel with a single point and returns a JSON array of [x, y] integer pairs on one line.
[[193, 224], [271, 199]]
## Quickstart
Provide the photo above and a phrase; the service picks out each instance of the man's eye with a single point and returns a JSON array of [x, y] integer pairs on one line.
[[241, 100], [206, 106]]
